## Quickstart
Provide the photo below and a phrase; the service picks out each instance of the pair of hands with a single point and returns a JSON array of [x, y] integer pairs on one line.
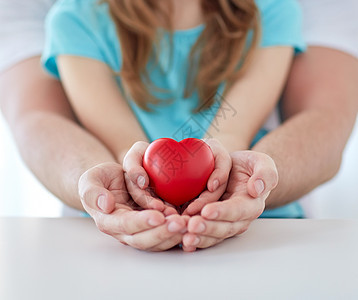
[[118, 200]]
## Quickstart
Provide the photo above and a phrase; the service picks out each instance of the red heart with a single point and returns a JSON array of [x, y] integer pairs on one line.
[[178, 172]]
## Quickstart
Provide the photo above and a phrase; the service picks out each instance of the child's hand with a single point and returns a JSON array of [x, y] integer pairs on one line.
[[217, 182], [252, 178], [137, 181], [104, 196]]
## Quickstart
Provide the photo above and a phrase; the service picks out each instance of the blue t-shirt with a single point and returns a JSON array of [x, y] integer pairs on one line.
[[84, 28]]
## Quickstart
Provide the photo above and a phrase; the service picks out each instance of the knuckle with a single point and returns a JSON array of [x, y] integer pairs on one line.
[[134, 242], [231, 231], [86, 195], [242, 229], [259, 209], [125, 225], [208, 242], [139, 144], [138, 244], [101, 227], [161, 236], [245, 226]]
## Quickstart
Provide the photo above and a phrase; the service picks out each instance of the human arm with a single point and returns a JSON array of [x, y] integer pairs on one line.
[[98, 103], [307, 148], [320, 107], [45, 130], [253, 96], [58, 151], [100, 107]]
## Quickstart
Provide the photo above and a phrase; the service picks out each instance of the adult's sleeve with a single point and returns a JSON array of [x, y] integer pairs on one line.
[[281, 22]]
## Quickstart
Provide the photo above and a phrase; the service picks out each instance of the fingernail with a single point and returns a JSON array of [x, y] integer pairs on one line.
[[141, 181], [102, 203], [196, 241], [174, 227], [213, 215], [184, 230], [201, 228], [215, 185], [259, 186], [154, 222]]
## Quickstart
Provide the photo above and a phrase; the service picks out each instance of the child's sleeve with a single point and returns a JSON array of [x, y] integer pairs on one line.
[[281, 22], [70, 30]]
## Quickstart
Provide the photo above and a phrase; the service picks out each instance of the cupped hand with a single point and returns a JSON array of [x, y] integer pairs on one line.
[[104, 196], [217, 181], [137, 181], [253, 176]]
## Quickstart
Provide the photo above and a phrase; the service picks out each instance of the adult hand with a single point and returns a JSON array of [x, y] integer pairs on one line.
[[104, 196], [252, 178]]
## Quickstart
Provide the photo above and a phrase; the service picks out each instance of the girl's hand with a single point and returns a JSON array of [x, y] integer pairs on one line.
[[252, 178], [104, 196], [217, 181], [137, 181]]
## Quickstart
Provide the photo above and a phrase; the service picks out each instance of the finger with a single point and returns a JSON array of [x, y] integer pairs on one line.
[[168, 244], [142, 197], [216, 229], [149, 239], [133, 165], [188, 248], [206, 197], [191, 242], [264, 177], [223, 165], [128, 222], [234, 209], [99, 199], [169, 210], [93, 187]]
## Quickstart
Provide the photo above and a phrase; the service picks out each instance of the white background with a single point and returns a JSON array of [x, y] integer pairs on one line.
[[22, 195]]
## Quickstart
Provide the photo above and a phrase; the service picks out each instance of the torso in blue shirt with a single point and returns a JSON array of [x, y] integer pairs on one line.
[[84, 28]]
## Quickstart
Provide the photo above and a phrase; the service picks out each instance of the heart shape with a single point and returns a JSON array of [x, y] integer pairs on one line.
[[178, 171]]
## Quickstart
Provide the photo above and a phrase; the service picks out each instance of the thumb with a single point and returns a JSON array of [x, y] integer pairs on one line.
[[264, 177]]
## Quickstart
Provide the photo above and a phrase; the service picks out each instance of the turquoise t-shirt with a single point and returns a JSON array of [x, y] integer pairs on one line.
[[84, 28]]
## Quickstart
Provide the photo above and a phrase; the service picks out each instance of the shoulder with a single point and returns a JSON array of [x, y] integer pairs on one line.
[[281, 23], [270, 7], [85, 13], [80, 28]]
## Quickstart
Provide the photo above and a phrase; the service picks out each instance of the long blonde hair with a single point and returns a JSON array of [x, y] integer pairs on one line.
[[221, 47]]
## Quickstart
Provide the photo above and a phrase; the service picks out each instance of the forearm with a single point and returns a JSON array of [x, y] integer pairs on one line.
[[307, 150], [321, 109], [50, 141], [58, 152], [252, 97], [99, 104]]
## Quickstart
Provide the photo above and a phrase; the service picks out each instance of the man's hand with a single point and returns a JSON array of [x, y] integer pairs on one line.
[[252, 178], [104, 196]]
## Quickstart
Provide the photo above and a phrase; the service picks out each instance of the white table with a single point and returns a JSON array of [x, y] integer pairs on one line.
[[275, 259]]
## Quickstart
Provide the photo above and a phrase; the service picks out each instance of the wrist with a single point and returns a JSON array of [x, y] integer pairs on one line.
[[120, 156], [231, 142]]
